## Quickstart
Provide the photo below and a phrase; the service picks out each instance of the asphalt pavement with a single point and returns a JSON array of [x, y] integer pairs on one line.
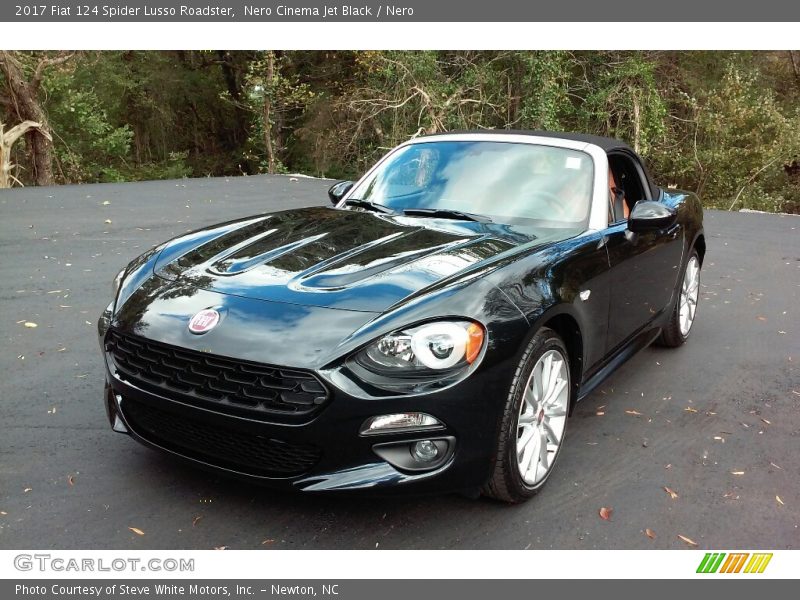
[[716, 422]]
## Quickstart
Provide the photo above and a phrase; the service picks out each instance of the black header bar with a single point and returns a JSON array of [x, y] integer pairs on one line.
[[285, 11]]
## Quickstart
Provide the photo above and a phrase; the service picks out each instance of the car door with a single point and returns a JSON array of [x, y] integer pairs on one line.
[[644, 267]]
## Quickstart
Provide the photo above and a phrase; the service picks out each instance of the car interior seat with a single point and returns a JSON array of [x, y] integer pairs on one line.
[[619, 204]]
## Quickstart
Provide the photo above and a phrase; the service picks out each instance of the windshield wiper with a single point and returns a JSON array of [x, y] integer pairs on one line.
[[446, 213], [369, 205]]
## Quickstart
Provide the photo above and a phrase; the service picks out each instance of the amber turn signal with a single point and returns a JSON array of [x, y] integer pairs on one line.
[[474, 342]]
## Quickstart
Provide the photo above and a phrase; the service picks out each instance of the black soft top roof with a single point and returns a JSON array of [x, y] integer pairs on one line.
[[606, 143]]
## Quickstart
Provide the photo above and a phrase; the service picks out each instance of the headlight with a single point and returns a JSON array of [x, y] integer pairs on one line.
[[117, 283], [441, 345], [422, 357]]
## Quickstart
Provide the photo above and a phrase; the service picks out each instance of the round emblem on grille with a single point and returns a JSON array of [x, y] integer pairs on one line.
[[204, 321]]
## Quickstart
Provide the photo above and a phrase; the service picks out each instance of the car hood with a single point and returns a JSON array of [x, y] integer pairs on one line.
[[344, 259]]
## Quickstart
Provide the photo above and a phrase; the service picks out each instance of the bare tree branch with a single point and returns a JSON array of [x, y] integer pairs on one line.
[[44, 64], [7, 140]]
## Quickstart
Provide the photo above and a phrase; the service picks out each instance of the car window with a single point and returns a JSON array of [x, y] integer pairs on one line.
[[508, 182], [628, 181]]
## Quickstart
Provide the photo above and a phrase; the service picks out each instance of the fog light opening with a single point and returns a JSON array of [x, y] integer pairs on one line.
[[417, 456], [424, 451]]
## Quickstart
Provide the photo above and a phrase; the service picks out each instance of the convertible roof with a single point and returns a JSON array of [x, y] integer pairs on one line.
[[606, 143]]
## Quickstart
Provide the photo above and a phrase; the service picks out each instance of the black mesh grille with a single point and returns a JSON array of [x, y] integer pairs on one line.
[[241, 451], [221, 383]]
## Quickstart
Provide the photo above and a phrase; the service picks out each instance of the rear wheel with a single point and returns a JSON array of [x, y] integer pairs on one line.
[[683, 314], [534, 420]]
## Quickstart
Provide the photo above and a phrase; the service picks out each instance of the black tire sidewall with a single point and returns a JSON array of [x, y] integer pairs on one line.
[[675, 322], [544, 341], [692, 254]]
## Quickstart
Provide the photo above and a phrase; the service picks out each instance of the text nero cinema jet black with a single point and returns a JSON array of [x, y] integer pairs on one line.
[[429, 332]]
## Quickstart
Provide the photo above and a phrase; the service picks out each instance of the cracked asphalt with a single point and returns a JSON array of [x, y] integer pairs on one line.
[[716, 421]]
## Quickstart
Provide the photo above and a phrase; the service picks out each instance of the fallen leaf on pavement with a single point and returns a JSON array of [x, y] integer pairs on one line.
[[765, 421], [778, 498], [672, 493], [108, 221], [220, 548], [690, 409], [196, 520], [689, 541], [71, 480], [136, 530], [26, 490], [737, 472], [633, 412], [776, 466], [30, 324], [270, 541], [605, 513], [650, 533]]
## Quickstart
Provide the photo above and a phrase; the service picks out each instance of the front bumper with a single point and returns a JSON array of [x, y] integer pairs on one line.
[[327, 452]]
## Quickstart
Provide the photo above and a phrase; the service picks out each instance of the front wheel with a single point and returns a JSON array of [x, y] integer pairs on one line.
[[534, 420], [683, 314]]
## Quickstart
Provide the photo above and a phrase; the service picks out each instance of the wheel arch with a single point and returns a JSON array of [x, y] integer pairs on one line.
[[566, 325], [700, 245]]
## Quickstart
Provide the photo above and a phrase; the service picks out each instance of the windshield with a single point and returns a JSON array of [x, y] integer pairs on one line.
[[508, 182]]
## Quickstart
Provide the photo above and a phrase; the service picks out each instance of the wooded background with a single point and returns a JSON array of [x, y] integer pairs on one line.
[[723, 124]]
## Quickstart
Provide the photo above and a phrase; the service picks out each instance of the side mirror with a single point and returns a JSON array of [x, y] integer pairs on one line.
[[648, 215], [338, 190]]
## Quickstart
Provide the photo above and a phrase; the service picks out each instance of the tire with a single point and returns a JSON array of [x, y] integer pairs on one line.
[[677, 332], [526, 415]]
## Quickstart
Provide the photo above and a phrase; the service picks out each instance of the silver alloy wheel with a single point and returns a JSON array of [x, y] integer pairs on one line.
[[689, 293], [542, 416]]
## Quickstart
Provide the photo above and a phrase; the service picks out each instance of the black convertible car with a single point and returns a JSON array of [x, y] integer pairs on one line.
[[431, 331]]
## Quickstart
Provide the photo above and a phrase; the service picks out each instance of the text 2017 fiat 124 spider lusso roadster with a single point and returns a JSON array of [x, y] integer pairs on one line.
[[431, 331]]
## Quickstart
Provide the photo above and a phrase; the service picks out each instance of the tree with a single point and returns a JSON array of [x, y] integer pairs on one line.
[[7, 139], [22, 99]]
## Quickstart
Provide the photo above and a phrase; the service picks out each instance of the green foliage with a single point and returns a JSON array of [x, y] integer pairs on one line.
[[744, 132], [287, 97], [722, 124], [623, 100], [732, 136], [90, 148]]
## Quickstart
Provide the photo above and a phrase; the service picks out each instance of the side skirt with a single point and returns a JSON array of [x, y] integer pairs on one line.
[[636, 345]]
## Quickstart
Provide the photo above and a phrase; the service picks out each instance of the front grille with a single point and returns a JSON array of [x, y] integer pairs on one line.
[[220, 383], [232, 449]]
